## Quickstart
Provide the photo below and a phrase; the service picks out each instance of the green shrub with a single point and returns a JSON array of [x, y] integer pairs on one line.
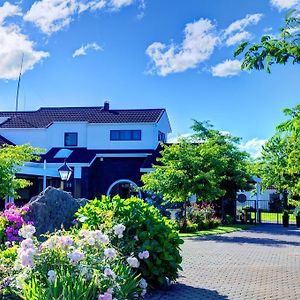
[[191, 227], [146, 230]]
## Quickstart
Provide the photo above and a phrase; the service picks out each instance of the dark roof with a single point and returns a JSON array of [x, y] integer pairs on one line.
[[83, 155], [4, 141], [45, 116]]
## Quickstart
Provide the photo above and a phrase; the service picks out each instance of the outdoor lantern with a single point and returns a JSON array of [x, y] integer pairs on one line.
[[65, 172]]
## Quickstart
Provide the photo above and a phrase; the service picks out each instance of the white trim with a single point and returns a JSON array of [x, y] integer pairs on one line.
[[99, 155], [124, 180]]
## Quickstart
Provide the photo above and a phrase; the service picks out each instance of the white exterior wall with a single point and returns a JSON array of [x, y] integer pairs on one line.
[[37, 137], [56, 133], [98, 136]]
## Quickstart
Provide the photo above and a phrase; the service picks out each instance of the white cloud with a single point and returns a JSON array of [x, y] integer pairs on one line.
[[238, 38], [83, 49], [13, 45], [120, 3], [175, 138], [241, 24], [227, 68], [51, 15], [198, 45], [284, 4], [9, 10], [253, 147]]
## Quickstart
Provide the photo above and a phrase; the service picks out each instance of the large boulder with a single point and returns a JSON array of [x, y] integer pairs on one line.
[[53, 209]]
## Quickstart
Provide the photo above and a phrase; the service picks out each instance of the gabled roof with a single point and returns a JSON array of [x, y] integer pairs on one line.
[[45, 116], [4, 141]]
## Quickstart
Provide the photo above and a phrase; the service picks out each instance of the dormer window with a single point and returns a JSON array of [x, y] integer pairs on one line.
[[125, 135], [71, 139]]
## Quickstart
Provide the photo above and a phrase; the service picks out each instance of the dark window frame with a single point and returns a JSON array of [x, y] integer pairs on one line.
[[65, 140], [132, 133], [162, 137]]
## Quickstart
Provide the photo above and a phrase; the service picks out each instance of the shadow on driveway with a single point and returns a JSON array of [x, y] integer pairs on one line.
[[263, 233], [184, 292]]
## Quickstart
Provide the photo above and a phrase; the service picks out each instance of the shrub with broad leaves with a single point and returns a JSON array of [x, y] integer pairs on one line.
[[150, 239]]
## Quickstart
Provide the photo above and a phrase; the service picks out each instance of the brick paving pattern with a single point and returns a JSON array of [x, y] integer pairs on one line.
[[262, 263]]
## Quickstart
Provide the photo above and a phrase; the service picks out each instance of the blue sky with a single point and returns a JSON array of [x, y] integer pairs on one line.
[[176, 54]]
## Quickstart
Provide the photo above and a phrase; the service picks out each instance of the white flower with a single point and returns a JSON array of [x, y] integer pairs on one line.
[[143, 283], [119, 229], [26, 257], [144, 254], [144, 292], [136, 237], [133, 262], [84, 233], [83, 270], [100, 237], [52, 276], [109, 272], [110, 253], [76, 256], [91, 241], [27, 231], [65, 241], [26, 244], [50, 243]]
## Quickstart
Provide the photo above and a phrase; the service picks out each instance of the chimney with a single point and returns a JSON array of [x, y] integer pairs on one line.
[[106, 106]]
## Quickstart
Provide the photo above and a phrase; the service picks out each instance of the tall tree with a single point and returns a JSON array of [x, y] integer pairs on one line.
[[208, 165], [274, 50], [233, 162], [279, 165], [11, 159]]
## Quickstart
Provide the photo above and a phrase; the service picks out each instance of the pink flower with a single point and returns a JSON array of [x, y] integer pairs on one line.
[[10, 205]]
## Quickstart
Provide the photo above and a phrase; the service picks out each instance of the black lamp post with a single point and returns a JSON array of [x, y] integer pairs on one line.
[[65, 172]]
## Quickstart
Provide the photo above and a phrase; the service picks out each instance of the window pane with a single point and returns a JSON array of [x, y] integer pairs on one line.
[[136, 135], [125, 135], [114, 135], [71, 139]]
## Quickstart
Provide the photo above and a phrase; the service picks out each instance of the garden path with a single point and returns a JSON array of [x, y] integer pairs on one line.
[[260, 263]]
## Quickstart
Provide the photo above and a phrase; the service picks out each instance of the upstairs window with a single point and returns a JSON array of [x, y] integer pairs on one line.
[[161, 137], [71, 139], [125, 135]]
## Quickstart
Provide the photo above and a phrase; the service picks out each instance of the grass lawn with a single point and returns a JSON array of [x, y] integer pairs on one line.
[[267, 216], [219, 230]]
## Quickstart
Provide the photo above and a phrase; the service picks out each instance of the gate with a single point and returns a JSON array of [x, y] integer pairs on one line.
[[260, 212]]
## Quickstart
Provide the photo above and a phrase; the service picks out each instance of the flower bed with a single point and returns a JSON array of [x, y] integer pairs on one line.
[[114, 250]]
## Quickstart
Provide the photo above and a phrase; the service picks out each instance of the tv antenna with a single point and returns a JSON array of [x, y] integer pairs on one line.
[[19, 81]]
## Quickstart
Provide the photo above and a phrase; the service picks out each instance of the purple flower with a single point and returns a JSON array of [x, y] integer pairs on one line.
[[10, 205]]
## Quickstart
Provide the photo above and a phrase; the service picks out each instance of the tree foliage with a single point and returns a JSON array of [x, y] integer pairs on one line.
[[279, 164], [11, 159], [274, 50], [208, 165]]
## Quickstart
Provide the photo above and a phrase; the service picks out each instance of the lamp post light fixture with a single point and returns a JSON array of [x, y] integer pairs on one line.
[[65, 172]]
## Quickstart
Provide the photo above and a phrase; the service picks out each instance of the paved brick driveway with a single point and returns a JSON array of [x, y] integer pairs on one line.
[[260, 263]]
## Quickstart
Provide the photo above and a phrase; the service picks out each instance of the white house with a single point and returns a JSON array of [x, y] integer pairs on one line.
[[108, 149]]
